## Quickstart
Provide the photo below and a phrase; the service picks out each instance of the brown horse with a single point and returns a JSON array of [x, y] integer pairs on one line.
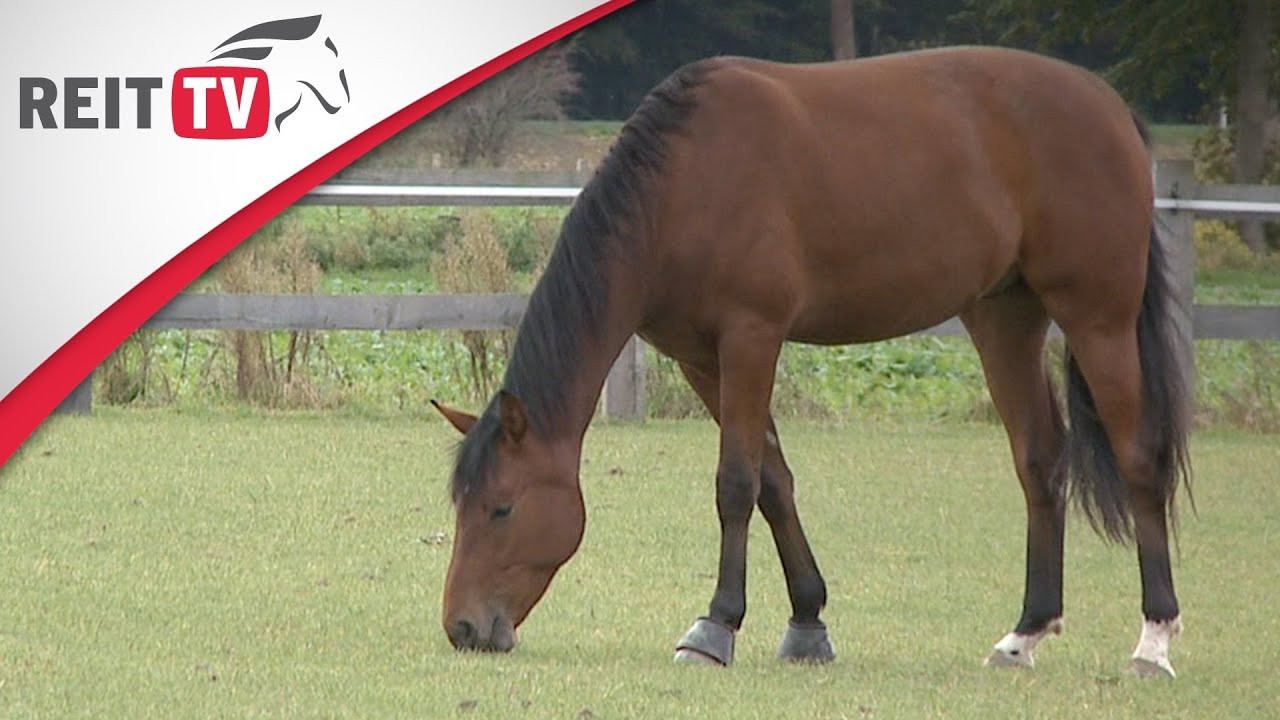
[[748, 203]]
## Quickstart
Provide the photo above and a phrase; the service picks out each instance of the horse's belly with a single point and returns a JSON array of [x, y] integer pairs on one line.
[[867, 307], [843, 325]]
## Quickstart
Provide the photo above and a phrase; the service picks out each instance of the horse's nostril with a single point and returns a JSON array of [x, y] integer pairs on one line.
[[463, 635]]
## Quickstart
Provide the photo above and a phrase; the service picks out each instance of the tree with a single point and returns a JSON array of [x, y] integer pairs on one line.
[[624, 55], [843, 44], [478, 125], [1253, 105], [627, 53]]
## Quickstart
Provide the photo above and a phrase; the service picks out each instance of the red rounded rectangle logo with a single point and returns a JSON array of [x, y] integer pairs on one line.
[[220, 103]]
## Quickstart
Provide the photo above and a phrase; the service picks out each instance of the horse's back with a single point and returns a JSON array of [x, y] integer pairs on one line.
[[872, 198]]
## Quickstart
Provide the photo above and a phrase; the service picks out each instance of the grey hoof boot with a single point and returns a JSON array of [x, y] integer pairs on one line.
[[707, 642], [806, 644]]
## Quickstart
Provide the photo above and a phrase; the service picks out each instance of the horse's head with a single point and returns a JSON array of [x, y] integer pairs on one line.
[[519, 517], [302, 62]]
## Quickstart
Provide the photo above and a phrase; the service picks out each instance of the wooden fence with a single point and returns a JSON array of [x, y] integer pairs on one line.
[[1180, 200]]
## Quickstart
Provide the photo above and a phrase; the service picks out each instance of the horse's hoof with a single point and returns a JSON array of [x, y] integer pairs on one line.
[[806, 644], [707, 642], [1158, 668], [1003, 658], [1018, 650], [685, 656], [1151, 657]]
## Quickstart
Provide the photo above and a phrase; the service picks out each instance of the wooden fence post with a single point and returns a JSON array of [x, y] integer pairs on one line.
[[1176, 179], [624, 387]]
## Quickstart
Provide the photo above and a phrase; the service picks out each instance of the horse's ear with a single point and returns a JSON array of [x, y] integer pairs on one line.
[[511, 416], [460, 420]]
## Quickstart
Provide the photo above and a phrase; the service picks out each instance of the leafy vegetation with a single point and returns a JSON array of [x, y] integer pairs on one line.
[[396, 373]]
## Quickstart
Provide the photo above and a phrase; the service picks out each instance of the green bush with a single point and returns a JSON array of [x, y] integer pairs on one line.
[[1238, 384], [377, 238], [380, 238], [528, 235], [1214, 156], [1218, 245]]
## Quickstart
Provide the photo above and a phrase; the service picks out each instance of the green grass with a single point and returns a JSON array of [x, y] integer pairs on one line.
[[588, 128], [1176, 132], [1239, 286], [238, 564]]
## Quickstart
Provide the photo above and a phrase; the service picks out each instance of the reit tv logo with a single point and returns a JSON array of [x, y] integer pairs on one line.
[[255, 81], [220, 103]]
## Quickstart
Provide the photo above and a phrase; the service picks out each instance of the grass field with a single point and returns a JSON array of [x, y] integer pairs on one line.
[[170, 564]]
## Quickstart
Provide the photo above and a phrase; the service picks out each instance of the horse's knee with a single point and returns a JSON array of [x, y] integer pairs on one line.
[[737, 488], [776, 491]]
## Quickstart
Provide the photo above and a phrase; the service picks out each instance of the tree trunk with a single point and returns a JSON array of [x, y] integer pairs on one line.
[[1253, 106], [843, 46]]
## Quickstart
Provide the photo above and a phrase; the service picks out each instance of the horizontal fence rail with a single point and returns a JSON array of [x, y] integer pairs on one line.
[[1236, 322], [1227, 205], [340, 312], [1215, 201], [426, 195], [1180, 199], [502, 311], [1227, 209]]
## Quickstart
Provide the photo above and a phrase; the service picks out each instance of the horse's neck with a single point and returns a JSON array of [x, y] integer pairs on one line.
[[600, 350], [617, 319]]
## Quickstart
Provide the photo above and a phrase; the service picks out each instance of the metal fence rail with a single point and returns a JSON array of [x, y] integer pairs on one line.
[[461, 195]]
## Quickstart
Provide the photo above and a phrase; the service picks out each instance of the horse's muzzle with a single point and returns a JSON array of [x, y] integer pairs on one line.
[[498, 636]]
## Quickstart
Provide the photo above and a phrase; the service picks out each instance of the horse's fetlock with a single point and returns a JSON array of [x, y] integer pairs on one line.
[[728, 610], [809, 596]]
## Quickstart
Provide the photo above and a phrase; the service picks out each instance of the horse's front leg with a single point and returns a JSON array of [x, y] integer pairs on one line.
[[806, 638], [747, 359]]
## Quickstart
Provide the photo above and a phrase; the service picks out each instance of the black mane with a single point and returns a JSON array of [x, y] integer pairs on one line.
[[568, 304]]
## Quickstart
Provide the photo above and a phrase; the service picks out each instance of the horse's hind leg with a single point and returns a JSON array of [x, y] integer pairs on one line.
[[1109, 361], [1009, 332]]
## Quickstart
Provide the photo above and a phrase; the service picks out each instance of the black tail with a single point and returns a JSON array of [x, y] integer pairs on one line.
[[1094, 478]]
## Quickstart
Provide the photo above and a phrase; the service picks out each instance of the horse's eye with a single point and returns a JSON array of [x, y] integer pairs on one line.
[[501, 511]]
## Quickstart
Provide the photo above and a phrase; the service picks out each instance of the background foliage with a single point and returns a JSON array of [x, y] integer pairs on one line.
[[1173, 58], [380, 373]]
